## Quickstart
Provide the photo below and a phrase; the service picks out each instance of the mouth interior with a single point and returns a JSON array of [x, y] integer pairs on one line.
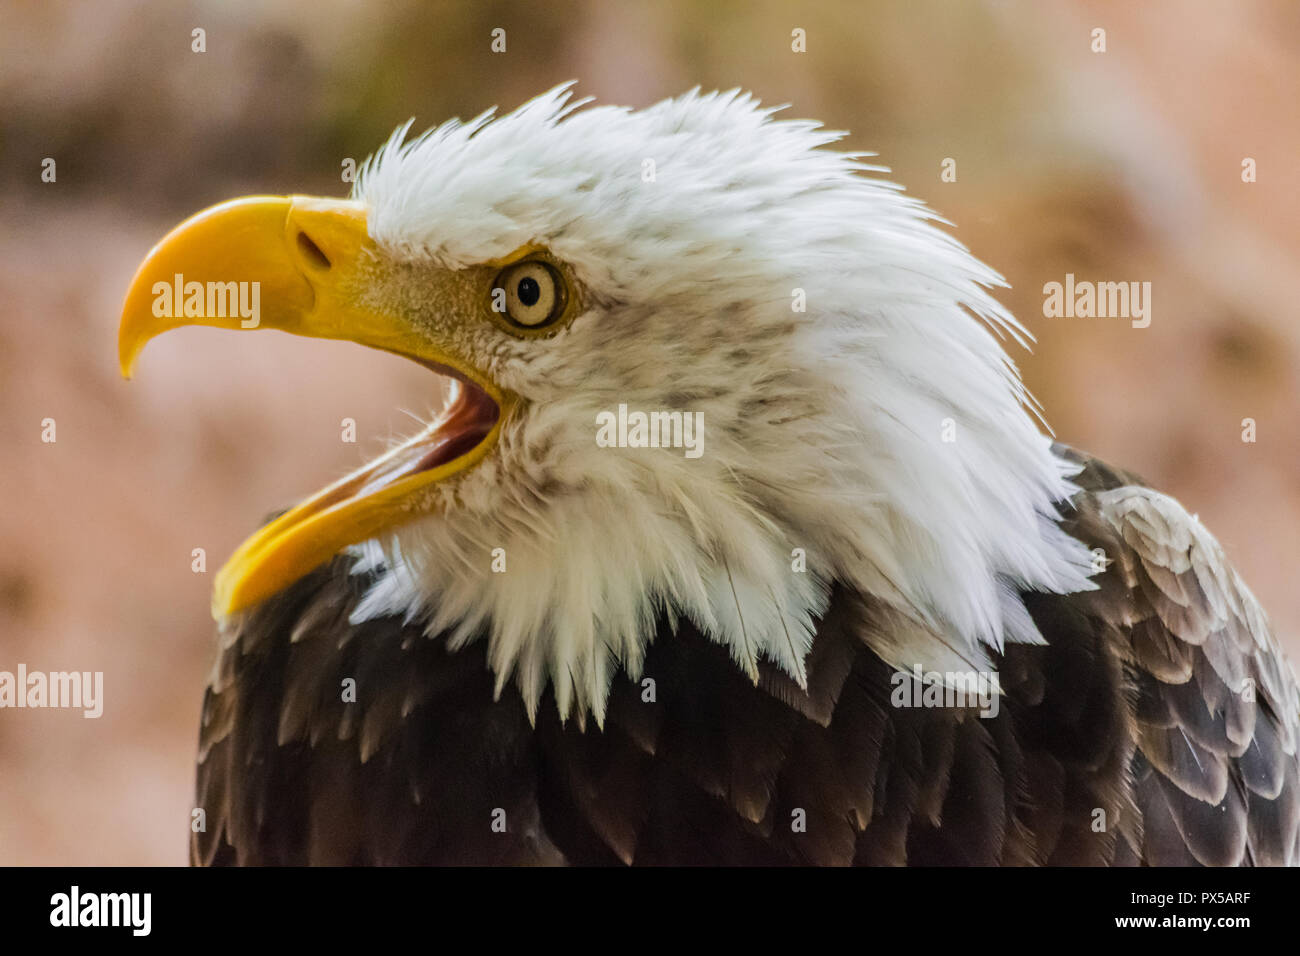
[[461, 427]]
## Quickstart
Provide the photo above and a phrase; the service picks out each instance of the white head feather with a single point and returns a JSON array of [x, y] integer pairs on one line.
[[823, 430]]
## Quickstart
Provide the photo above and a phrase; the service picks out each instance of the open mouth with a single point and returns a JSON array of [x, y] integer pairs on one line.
[[463, 425], [305, 257], [368, 503]]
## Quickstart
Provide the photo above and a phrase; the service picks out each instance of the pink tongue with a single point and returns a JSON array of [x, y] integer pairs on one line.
[[467, 423], [450, 447]]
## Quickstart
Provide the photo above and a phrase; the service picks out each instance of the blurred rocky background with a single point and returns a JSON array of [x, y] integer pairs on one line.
[[1116, 166]]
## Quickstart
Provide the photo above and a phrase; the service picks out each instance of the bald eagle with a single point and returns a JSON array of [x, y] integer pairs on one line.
[[735, 541]]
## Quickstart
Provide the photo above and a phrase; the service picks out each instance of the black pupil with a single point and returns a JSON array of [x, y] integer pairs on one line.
[[529, 291]]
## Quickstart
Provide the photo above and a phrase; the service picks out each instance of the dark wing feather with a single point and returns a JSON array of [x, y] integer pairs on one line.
[[1125, 739], [1217, 707]]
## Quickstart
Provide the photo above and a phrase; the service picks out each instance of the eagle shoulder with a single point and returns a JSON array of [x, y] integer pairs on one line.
[[1160, 699], [1216, 704]]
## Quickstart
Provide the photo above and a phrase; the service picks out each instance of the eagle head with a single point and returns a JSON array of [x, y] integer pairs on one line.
[[696, 365]]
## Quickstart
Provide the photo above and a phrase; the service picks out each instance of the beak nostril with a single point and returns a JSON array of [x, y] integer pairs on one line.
[[312, 252]]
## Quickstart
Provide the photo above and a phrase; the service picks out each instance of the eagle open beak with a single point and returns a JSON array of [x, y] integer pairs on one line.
[[293, 263]]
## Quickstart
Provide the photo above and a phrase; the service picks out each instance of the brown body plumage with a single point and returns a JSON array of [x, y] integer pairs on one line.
[[1156, 726]]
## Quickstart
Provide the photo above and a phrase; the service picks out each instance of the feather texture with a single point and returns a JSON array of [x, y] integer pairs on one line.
[[1095, 756], [692, 660]]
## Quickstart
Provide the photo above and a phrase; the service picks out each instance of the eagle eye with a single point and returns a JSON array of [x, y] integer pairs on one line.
[[534, 293]]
